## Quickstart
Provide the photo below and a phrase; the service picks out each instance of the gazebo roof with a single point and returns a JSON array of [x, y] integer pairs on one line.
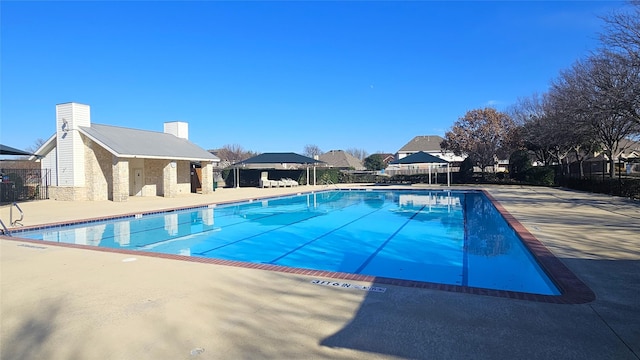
[[420, 157], [8, 150], [279, 158]]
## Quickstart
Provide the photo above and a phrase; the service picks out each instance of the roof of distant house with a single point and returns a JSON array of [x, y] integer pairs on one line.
[[630, 148], [428, 143], [386, 157], [341, 159]]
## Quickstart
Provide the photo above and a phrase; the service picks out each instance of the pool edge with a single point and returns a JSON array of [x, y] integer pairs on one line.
[[573, 290]]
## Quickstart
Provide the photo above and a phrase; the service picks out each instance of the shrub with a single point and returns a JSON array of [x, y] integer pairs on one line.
[[540, 175], [627, 187], [465, 174], [374, 162], [519, 164]]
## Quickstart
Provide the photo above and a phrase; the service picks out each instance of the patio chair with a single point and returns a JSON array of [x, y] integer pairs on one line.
[[264, 180], [290, 182]]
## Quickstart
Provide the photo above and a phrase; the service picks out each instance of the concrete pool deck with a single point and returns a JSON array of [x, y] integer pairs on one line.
[[66, 303]]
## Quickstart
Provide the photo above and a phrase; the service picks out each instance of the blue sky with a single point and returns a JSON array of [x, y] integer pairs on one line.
[[276, 76]]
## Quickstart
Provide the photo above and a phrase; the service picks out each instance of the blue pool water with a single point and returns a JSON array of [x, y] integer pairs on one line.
[[447, 237]]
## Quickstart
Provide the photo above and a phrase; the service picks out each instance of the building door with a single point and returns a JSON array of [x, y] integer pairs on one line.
[[196, 179], [137, 182]]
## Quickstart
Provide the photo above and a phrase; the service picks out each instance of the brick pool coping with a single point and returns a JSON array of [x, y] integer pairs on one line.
[[572, 289]]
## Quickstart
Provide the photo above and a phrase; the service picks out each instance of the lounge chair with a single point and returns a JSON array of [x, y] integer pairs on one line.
[[289, 182], [265, 182]]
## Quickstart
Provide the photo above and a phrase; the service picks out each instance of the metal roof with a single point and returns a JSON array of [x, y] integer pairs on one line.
[[279, 158], [126, 142], [8, 150], [420, 157]]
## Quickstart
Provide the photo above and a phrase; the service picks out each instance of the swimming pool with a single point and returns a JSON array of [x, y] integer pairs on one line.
[[446, 237]]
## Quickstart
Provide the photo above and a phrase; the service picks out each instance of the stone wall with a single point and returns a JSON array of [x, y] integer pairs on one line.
[[207, 177], [120, 179], [170, 179], [153, 176], [98, 171], [183, 177], [67, 193]]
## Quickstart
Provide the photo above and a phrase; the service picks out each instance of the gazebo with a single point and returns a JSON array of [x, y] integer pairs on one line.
[[8, 150], [271, 160], [422, 157]]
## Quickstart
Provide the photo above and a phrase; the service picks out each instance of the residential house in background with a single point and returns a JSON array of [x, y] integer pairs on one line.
[[387, 158], [102, 162], [429, 144], [626, 159], [341, 160], [630, 150]]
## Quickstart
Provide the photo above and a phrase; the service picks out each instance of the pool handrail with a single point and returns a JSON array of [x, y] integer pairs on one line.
[[4, 229], [17, 222]]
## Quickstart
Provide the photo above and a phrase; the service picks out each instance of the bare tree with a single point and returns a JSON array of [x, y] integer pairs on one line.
[[550, 131], [360, 154], [527, 108], [311, 150], [36, 145], [481, 134], [595, 104], [528, 114], [621, 48], [234, 153], [621, 33], [596, 93], [32, 149], [573, 135]]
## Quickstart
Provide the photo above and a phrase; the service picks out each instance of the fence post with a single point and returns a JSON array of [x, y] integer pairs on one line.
[[619, 175]]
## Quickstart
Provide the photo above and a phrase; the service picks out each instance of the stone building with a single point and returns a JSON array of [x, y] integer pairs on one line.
[[102, 162]]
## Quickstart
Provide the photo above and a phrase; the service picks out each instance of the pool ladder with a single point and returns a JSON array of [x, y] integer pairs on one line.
[[328, 183], [17, 222], [4, 230]]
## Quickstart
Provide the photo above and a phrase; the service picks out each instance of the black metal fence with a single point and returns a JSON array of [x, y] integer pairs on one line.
[[24, 184]]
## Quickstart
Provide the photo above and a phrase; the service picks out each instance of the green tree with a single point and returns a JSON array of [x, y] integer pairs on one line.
[[374, 162], [466, 170], [519, 164]]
